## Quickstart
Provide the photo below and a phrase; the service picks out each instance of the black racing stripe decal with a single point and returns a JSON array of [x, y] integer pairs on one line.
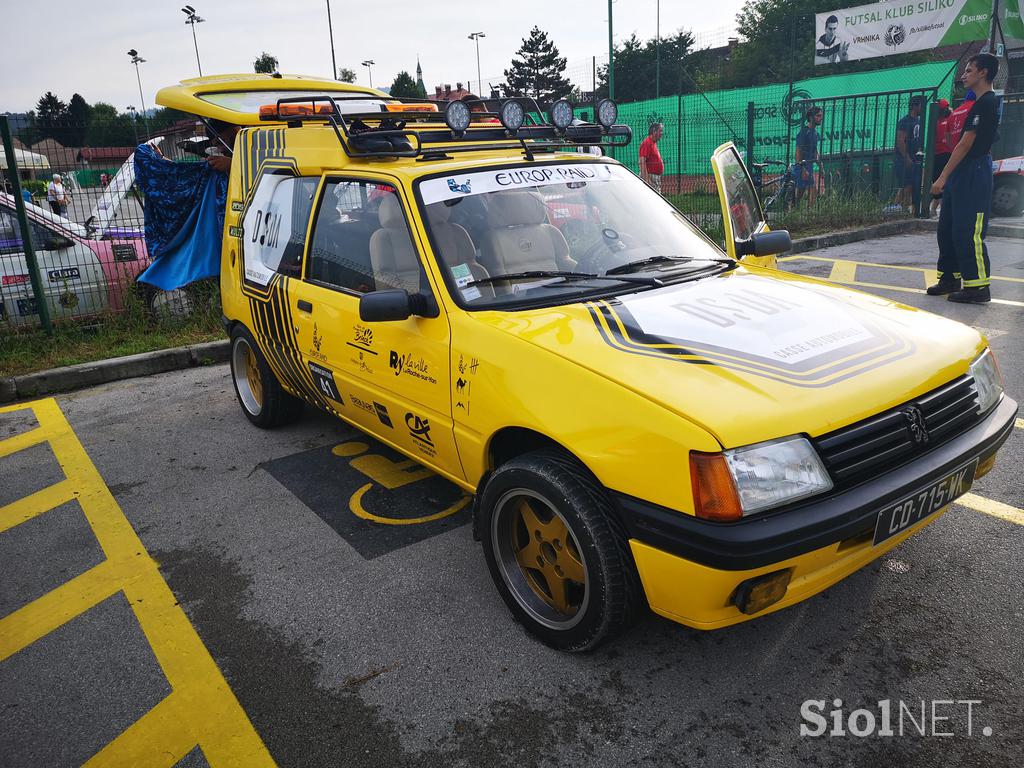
[[611, 338], [628, 333]]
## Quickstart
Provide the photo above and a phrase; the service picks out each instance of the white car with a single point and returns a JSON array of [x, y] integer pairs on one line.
[[1008, 187]]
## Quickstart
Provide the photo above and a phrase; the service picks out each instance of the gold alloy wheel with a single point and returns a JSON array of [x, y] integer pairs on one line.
[[540, 559], [252, 373], [245, 369]]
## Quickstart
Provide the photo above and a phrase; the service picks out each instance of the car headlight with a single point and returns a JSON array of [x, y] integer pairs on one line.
[[987, 379], [743, 481]]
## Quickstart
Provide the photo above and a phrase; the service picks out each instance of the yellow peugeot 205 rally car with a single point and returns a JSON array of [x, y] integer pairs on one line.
[[642, 416]]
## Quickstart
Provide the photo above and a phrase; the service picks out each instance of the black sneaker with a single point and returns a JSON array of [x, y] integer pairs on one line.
[[971, 295], [946, 284]]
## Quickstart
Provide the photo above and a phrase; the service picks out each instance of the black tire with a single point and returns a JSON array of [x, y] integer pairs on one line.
[[559, 494], [1008, 196], [264, 401]]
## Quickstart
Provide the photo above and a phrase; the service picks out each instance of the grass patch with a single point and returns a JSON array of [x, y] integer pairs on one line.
[[833, 213], [190, 317]]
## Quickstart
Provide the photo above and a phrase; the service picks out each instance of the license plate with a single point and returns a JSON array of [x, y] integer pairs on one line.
[[905, 513]]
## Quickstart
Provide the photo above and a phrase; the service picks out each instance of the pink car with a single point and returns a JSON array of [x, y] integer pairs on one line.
[[82, 274]]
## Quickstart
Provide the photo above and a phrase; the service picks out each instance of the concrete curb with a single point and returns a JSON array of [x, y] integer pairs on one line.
[[890, 228], [116, 369], [886, 229]]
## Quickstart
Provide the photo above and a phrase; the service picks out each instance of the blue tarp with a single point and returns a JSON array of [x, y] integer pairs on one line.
[[184, 214]]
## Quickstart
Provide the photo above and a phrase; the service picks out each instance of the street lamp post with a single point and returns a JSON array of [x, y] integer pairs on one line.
[[369, 68], [475, 36], [135, 129], [136, 60], [330, 31], [193, 19], [657, 52]]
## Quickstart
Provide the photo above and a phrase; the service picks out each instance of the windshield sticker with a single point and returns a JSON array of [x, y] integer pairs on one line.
[[463, 277], [452, 187], [795, 334]]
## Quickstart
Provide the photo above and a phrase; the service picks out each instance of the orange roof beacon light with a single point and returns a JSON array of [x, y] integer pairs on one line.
[[271, 111]]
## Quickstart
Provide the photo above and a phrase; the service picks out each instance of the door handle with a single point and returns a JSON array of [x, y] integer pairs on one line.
[[304, 306]]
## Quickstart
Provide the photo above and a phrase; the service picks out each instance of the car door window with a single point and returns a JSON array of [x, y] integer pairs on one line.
[[744, 208], [275, 226], [10, 233], [361, 240]]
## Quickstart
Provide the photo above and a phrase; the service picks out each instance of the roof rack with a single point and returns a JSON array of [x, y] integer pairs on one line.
[[383, 133]]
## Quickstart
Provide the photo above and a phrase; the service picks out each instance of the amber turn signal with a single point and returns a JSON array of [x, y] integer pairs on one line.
[[714, 492]]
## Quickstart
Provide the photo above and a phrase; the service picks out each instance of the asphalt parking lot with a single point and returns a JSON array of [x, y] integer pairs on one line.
[[180, 588]]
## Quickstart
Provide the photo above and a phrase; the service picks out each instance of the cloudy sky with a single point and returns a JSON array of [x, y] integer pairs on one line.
[[70, 46]]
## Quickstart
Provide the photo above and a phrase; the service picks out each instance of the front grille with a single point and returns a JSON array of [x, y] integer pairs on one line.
[[868, 448]]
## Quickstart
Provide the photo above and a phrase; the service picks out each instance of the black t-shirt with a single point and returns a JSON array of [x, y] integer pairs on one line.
[[911, 126], [983, 119]]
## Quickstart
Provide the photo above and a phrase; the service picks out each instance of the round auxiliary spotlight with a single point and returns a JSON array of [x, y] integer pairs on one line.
[[560, 114], [607, 113], [512, 115], [456, 116]]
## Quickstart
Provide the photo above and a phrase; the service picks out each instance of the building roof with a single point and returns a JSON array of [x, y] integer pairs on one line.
[[99, 154]]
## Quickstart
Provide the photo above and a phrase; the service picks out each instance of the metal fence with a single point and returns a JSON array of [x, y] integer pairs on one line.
[[90, 248], [856, 179]]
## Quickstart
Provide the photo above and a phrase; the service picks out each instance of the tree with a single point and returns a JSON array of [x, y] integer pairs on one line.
[[107, 128], [79, 113], [265, 64], [538, 70], [51, 118], [346, 75], [404, 87], [636, 68]]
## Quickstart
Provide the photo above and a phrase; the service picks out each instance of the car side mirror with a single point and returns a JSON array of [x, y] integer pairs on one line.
[[57, 243], [395, 304], [765, 244]]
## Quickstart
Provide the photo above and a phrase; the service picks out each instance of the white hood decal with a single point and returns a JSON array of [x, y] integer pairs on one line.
[[795, 333]]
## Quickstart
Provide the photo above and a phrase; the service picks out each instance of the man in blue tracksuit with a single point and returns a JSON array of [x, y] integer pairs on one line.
[[966, 188]]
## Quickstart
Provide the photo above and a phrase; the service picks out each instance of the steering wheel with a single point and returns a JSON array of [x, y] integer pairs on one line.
[[600, 255]]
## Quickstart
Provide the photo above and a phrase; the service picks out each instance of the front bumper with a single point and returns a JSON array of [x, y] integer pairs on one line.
[[690, 568]]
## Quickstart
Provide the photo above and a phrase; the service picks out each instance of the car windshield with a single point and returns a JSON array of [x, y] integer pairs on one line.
[[545, 232]]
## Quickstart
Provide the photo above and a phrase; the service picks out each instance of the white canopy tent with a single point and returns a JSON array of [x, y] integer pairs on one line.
[[25, 160]]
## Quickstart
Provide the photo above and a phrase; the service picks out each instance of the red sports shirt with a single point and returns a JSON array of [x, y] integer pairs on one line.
[[649, 149]]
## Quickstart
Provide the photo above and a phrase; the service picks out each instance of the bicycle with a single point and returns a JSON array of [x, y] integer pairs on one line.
[[784, 197]]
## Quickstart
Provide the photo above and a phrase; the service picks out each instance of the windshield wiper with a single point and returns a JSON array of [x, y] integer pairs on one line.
[[631, 265], [542, 273]]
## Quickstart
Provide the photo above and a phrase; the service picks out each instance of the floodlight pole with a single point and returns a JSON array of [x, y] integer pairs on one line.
[[136, 60], [475, 36], [193, 19], [611, 54], [369, 68], [330, 30], [657, 52]]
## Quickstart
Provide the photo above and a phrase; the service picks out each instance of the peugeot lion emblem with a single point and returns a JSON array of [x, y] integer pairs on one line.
[[916, 427]]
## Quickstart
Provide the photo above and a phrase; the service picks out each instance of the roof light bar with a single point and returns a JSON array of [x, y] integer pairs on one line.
[[457, 117], [560, 114], [607, 113], [512, 115]]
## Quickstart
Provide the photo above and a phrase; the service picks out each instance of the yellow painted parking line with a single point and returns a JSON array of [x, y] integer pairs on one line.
[[26, 508], [993, 508], [928, 272], [201, 708], [844, 272], [1019, 423]]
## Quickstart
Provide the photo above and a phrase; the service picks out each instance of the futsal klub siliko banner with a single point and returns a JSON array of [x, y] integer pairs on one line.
[[882, 29]]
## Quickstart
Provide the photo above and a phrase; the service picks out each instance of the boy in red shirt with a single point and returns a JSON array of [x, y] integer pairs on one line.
[[651, 165]]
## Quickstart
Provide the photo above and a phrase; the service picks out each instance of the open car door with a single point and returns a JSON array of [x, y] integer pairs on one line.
[[747, 235]]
